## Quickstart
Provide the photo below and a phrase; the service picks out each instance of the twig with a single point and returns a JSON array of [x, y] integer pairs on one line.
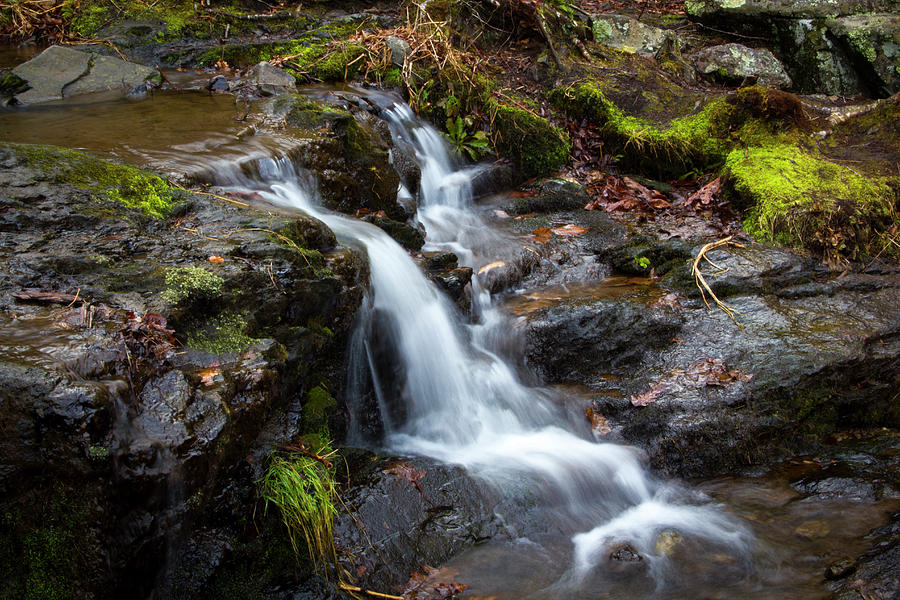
[[353, 588], [226, 199], [703, 286]]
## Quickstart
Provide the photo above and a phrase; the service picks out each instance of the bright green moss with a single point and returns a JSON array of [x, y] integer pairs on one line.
[[124, 184], [536, 146], [223, 334], [800, 200], [193, 283]]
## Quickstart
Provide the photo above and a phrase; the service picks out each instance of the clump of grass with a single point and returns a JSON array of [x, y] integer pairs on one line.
[[302, 486]]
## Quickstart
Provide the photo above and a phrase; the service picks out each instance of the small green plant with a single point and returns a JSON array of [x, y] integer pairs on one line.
[[303, 488], [475, 145], [643, 262], [191, 282]]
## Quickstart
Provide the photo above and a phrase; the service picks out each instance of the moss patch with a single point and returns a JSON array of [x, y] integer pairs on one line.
[[222, 334], [123, 184], [537, 147], [799, 199], [194, 283]]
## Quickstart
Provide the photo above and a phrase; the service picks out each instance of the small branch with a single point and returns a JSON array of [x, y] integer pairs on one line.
[[543, 27], [701, 282], [353, 588]]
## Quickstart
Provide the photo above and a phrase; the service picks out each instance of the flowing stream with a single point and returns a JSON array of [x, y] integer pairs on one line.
[[465, 404]]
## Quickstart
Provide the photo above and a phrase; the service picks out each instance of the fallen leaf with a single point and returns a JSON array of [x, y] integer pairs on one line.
[[208, 376], [541, 235], [216, 259], [649, 396], [706, 195], [599, 423], [569, 230]]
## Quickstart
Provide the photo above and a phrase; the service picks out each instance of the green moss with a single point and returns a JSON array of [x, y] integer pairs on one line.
[[798, 199], [42, 548], [536, 146], [91, 16], [11, 84], [318, 406], [226, 333], [194, 283], [861, 39], [123, 184]]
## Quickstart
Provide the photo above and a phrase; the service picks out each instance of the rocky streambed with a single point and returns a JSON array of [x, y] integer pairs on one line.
[[159, 338]]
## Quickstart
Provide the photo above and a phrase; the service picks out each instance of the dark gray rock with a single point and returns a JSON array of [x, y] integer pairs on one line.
[[398, 50], [60, 72], [550, 195], [271, 80]]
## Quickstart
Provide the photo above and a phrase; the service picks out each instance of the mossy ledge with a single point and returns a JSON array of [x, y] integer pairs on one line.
[[796, 198], [537, 147], [106, 180]]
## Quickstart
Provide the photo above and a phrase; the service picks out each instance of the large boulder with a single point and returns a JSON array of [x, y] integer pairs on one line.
[[60, 72], [840, 48], [735, 64]]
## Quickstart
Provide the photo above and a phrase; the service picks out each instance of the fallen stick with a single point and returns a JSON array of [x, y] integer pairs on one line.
[[353, 588], [701, 282]]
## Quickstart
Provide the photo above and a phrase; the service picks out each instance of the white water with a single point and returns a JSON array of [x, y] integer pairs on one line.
[[466, 405]]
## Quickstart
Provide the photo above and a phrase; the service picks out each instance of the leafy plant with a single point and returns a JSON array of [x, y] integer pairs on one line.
[[302, 486], [475, 145]]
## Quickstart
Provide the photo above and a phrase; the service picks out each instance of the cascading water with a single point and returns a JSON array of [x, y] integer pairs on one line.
[[464, 404]]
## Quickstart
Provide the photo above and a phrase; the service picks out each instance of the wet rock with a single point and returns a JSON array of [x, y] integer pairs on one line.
[[96, 401], [877, 572], [60, 72], [840, 569], [625, 553], [735, 64], [348, 149], [548, 195], [271, 80], [408, 527], [454, 282], [627, 34], [404, 234], [218, 84], [576, 341]]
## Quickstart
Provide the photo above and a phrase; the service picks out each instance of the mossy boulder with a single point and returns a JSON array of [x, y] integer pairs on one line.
[[349, 151], [797, 198], [549, 195], [537, 147], [829, 47], [107, 182]]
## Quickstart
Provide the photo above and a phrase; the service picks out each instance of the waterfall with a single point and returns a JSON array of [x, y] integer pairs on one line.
[[464, 402]]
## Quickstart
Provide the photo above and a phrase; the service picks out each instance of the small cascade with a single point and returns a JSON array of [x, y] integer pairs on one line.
[[462, 401]]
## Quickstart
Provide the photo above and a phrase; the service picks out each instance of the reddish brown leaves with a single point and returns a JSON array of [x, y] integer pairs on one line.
[[704, 373], [713, 371], [362, 212], [614, 194], [542, 235], [216, 259], [148, 341], [433, 584], [649, 396], [708, 196], [406, 472]]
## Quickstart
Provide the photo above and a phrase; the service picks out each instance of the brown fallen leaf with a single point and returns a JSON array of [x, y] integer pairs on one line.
[[569, 230], [649, 396], [599, 423], [706, 195], [541, 235], [216, 259]]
